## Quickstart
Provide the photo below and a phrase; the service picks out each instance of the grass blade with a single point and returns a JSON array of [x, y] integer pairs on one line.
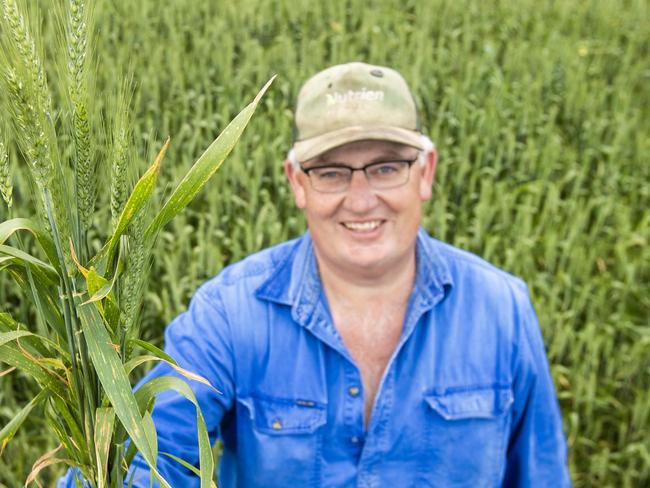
[[36, 342], [12, 336], [141, 192], [115, 382], [8, 431], [45, 296], [205, 166], [104, 422], [9, 227], [40, 268], [43, 462], [188, 466], [160, 354], [13, 356], [163, 383]]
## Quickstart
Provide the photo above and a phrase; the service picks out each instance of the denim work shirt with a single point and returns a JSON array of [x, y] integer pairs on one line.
[[466, 398]]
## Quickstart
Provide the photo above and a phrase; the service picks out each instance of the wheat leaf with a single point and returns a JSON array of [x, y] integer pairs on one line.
[[203, 169], [38, 267], [43, 462], [104, 422], [35, 341], [141, 192], [8, 431], [115, 381], [45, 295], [9, 227], [12, 336], [187, 465], [157, 385], [13, 356], [160, 354], [131, 364], [153, 349]]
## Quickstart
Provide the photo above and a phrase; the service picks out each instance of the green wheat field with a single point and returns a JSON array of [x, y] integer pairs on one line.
[[540, 111]]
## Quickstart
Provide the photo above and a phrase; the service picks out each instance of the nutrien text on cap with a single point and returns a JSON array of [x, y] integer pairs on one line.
[[354, 102]]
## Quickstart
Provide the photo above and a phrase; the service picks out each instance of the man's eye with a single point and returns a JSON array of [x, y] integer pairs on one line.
[[385, 169], [330, 173]]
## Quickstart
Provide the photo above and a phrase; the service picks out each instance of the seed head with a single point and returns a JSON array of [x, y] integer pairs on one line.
[[6, 187]]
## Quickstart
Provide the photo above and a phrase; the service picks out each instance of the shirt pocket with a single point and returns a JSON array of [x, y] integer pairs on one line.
[[467, 430], [280, 440]]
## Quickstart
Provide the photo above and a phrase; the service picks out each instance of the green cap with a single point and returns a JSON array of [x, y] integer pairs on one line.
[[354, 102]]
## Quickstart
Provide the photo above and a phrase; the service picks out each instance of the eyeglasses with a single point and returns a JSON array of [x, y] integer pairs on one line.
[[381, 175]]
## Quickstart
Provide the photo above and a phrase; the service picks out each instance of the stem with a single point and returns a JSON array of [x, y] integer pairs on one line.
[[71, 331], [73, 356]]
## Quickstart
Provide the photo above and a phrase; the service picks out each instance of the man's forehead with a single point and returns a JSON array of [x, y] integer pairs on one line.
[[370, 148]]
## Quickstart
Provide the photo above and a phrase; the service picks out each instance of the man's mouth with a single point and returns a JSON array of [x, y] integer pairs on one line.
[[367, 226]]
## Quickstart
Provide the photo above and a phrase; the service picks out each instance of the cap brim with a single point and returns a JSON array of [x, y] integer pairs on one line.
[[310, 148]]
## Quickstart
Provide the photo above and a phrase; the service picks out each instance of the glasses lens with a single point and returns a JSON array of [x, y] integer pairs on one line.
[[387, 174], [330, 179], [380, 175]]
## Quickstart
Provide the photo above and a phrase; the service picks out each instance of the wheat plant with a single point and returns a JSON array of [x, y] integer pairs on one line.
[[85, 341]]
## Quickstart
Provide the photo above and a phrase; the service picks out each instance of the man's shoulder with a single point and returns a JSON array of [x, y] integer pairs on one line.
[[481, 291], [468, 269], [253, 270]]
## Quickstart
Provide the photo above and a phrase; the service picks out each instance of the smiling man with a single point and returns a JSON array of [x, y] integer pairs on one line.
[[364, 353]]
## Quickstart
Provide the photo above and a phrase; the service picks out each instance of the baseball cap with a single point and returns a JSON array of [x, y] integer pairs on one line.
[[354, 102]]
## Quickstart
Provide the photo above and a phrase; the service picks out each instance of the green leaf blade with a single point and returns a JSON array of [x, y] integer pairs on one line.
[[104, 425], [154, 386], [205, 167], [13, 356], [116, 384], [10, 227], [140, 194], [8, 431]]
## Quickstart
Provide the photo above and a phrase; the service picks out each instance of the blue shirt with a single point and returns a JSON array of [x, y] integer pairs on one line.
[[466, 398]]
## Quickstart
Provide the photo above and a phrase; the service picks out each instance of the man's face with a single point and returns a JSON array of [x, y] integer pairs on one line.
[[363, 229]]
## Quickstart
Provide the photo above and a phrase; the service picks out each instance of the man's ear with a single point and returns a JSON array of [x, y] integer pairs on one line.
[[296, 182], [427, 174]]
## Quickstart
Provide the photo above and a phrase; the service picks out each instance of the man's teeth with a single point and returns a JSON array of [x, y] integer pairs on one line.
[[364, 226]]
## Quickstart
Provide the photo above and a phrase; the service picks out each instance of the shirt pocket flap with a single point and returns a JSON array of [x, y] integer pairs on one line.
[[285, 416], [477, 403]]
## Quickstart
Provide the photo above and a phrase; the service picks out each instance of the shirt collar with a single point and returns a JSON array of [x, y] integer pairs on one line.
[[296, 282]]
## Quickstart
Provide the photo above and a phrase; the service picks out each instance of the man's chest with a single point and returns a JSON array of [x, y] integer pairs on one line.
[[300, 407], [371, 342]]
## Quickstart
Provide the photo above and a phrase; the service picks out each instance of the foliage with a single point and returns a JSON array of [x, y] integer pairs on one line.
[[539, 110], [83, 342]]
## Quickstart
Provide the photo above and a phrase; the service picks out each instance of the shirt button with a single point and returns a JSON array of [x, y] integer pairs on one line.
[[354, 440], [353, 391], [277, 425]]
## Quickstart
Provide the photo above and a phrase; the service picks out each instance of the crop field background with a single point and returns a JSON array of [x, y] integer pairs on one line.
[[540, 113]]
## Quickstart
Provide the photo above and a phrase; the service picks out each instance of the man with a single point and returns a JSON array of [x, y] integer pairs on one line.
[[365, 353]]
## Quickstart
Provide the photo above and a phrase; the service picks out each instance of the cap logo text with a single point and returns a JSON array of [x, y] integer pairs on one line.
[[363, 94]]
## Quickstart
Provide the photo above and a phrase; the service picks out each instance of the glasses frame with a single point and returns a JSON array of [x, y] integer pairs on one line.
[[409, 162]]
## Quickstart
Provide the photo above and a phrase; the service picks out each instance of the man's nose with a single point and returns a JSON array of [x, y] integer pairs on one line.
[[360, 196]]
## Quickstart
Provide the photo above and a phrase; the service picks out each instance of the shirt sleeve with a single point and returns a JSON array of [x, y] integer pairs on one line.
[[537, 451], [199, 341]]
